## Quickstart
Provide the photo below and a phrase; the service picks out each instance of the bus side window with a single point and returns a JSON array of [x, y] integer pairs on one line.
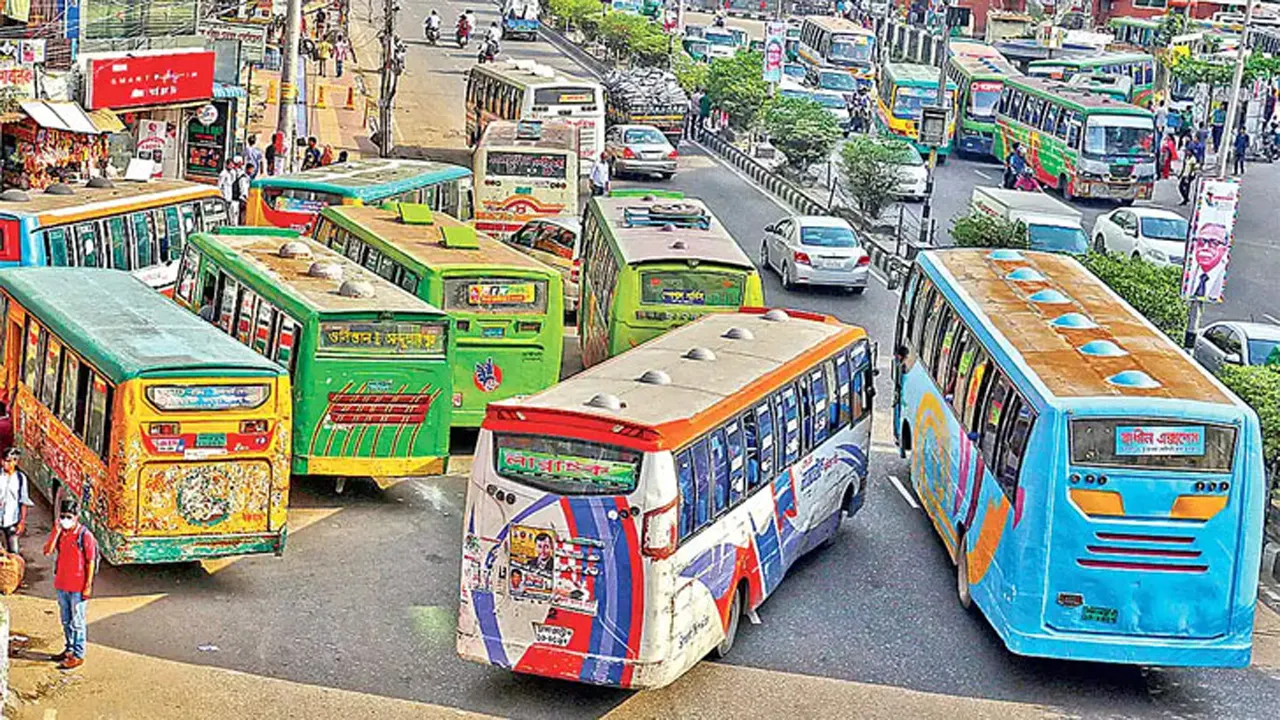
[[227, 295], [688, 496], [961, 362], [52, 369], [927, 342], [865, 377], [142, 239], [87, 247], [262, 329], [843, 377], [1005, 95], [1050, 120], [833, 395], [993, 411], [173, 232], [409, 281], [55, 247], [751, 446], [979, 380], [768, 441], [98, 437], [31, 354], [942, 366], [71, 383], [805, 408], [790, 422], [859, 362], [818, 393], [185, 289], [1073, 129], [1060, 130], [719, 473], [119, 243], [701, 483], [1012, 446], [244, 320], [160, 248], [737, 471]]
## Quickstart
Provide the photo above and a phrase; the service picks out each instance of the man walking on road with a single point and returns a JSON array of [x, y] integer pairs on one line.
[[1241, 146], [253, 156], [323, 51], [1219, 125], [600, 176], [14, 500], [75, 562], [1187, 176]]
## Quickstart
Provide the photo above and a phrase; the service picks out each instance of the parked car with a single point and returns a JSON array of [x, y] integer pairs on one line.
[[913, 174], [1234, 342], [838, 80], [815, 250], [554, 241], [640, 149], [1157, 236]]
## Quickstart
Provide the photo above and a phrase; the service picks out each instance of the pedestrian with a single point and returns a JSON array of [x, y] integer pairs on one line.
[[323, 51], [75, 562], [342, 157], [15, 498], [321, 18], [253, 156], [326, 157], [341, 51], [1241, 147], [227, 180], [1187, 176], [600, 176], [311, 158], [276, 154], [1195, 146], [1168, 154], [1219, 124], [1162, 118], [242, 187]]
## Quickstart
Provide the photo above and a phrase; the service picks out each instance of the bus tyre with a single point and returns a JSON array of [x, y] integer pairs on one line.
[[735, 617], [1065, 186], [962, 574]]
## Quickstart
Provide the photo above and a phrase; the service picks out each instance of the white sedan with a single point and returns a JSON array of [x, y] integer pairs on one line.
[[815, 250], [1157, 236]]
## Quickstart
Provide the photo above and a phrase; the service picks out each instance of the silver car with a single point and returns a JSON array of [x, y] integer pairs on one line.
[[639, 149], [1237, 343], [815, 250]]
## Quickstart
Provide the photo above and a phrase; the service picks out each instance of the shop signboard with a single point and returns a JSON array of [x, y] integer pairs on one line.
[[16, 60], [142, 80], [252, 37], [208, 135]]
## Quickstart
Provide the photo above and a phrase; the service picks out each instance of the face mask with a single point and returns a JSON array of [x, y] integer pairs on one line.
[[67, 523]]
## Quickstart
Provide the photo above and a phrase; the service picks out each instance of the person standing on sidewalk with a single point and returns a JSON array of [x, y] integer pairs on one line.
[[253, 156], [1241, 147], [227, 181], [323, 51], [341, 52], [311, 158], [1187, 175], [600, 176], [75, 563], [14, 500]]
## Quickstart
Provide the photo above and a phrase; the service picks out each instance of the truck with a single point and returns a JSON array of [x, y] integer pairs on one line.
[[646, 96], [520, 19], [1052, 225]]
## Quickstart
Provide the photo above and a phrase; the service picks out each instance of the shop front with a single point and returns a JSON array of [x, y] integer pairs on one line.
[[51, 142]]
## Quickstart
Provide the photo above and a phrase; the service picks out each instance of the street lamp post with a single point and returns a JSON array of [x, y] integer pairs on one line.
[[926, 210]]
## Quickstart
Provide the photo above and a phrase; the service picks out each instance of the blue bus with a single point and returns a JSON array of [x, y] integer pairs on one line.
[[1100, 493]]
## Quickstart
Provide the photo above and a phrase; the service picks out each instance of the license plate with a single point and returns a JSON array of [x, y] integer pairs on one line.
[[494, 332], [211, 440], [834, 264]]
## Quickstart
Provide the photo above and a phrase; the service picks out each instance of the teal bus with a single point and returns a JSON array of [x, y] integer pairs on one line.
[[979, 80], [903, 90], [1100, 493], [1140, 68]]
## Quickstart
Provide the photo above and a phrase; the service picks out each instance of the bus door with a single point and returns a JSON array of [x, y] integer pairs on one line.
[[552, 556], [1144, 538]]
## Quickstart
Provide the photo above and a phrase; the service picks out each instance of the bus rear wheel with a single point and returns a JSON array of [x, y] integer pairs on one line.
[[735, 618], [962, 574]]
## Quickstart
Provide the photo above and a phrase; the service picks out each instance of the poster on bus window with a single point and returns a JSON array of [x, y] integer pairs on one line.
[[1204, 273]]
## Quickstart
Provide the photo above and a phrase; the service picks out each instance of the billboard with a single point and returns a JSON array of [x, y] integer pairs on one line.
[[1204, 272]]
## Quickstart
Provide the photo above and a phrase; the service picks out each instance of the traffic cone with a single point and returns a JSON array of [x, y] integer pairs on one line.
[[351, 97], [320, 103], [273, 91]]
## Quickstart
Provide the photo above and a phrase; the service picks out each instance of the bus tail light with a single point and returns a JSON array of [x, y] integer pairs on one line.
[[627, 154], [253, 426], [660, 528], [163, 429], [801, 258], [576, 273], [528, 327]]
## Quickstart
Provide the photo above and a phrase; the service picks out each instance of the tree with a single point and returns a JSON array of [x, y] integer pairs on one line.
[[988, 231], [802, 129], [737, 86], [870, 173], [691, 74], [1153, 290], [584, 15], [1171, 26], [1259, 386]]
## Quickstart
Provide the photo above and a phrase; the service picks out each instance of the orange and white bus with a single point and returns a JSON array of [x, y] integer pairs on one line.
[[620, 524], [130, 226], [525, 170]]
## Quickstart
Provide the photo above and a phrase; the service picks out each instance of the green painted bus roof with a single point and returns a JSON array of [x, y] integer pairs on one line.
[[1140, 22], [1090, 61], [652, 244], [254, 258], [1077, 97], [984, 68], [367, 180], [421, 247], [912, 74], [124, 328]]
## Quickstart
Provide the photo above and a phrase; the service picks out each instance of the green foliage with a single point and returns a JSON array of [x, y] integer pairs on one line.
[[869, 172], [737, 86], [802, 129], [582, 14], [988, 231], [691, 74], [1171, 26], [1153, 290], [635, 36], [1194, 70], [1259, 386]]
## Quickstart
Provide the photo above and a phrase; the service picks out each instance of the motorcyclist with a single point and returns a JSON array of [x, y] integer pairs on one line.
[[493, 34], [1026, 180], [719, 21], [1014, 166], [432, 21], [465, 25]]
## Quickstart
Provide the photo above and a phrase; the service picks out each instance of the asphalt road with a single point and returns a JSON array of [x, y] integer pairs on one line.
[[366, 596]]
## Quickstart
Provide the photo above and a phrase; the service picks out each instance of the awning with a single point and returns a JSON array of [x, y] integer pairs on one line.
[[223, 91], [106, 121], [65, 116]]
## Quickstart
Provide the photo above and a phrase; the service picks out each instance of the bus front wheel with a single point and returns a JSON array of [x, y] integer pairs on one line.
[[962, 573], [735, 618]]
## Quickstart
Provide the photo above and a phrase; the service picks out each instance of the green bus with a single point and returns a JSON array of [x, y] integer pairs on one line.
[[1084, 144], [651, 264], [1135, 32], [903, 90], [1138, 67], [369, 361], [980, 80], [509, 308]]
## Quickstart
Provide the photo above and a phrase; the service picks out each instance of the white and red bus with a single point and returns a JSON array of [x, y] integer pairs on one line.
[[620, 524]]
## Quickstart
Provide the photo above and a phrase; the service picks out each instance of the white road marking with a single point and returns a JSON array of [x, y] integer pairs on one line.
[[983, 175], [903, 492]]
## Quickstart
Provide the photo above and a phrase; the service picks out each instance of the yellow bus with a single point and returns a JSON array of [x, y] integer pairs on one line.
[[173, 438], [525, 170]]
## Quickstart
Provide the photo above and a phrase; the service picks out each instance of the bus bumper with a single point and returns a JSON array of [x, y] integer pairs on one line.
[[561, 664], [1104, 190], [1129, 649], [118, 549], [369, 466]]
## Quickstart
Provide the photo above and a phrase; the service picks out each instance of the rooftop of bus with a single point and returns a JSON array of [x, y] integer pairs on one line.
[[1076, 95], [424, 244], [553, 135], [912, 73], [653, 243], [528, 73], [258, 250], [973, 48], [700, 392], [838, 25], [367, 180], [1102, 58], [1054, 353], [126, 329], [84, 200], [985, 67]]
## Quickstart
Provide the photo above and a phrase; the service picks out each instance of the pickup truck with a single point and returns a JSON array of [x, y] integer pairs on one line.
[[1052, 225]]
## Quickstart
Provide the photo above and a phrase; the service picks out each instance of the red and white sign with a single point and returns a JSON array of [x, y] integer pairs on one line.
[[150, 80]]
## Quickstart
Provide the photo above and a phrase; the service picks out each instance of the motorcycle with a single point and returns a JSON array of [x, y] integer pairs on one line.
[[462, 35], [488, 51], [431, 32]]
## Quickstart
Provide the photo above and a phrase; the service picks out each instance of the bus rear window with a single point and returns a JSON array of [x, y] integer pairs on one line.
[[526, 164], [382, 337], [1140, 443], [295, 200], [691, 287], [208, 397], [565, 466], [564, 96], [496, 295]]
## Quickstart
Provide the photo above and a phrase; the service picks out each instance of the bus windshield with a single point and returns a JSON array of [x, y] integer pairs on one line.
[[565, 466], [705, 288], [1119, 135], [841, 81], [1153, 444], [346, 338], [492, 296], [908, 101], [1056, 238], [719, 38], [983, 97], [851, 48]]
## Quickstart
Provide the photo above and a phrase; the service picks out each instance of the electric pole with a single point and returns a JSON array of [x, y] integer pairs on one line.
[[287, 117], [926, 210], [390, 69]]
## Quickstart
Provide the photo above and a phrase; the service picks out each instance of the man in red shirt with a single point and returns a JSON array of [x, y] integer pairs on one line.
[[74, 566]]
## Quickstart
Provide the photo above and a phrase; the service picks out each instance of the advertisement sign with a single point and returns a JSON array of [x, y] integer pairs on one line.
[[601, 473], [1181, 441], [252, 37], [16, 60], [207, 136], [508, 294], [151, 144], [381, 337], [164, 79], [775, 40], [1204, 275]]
